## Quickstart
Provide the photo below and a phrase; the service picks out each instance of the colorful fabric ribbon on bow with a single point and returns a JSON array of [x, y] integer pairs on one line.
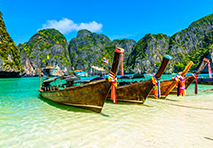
[[121, 52], [113, 79], [196, 82], [180, 85], [156, 87]]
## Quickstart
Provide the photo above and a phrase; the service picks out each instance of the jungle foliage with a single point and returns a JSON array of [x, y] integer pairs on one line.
[[8, 49]]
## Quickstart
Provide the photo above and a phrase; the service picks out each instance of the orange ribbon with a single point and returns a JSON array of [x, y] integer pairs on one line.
[[180, 84], [156, 87], [113, 79]]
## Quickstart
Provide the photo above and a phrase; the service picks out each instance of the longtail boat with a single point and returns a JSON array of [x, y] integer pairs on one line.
[[190, 79], [167, 86], [138, 92], [89, 96]]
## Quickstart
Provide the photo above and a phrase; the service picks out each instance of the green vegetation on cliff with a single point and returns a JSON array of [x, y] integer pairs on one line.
[[8, 49], [139, 49], [44, 39], [193, 43], [42, 42]]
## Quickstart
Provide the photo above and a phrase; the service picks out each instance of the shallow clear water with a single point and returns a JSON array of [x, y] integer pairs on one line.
[[29, 121]]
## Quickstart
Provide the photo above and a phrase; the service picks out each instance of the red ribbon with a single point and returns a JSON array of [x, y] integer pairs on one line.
[[113, 92], [180, 84], [121, 52], [112, 78]]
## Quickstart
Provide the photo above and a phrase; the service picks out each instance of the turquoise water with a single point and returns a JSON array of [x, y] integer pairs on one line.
[[29, 121]]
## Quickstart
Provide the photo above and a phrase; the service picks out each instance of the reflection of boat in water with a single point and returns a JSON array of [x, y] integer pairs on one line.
[[90, 95], [137, 92]]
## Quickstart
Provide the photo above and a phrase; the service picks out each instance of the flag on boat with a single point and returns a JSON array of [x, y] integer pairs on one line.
[[105, 60]]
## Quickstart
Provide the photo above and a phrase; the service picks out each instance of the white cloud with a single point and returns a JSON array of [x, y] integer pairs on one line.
[[66, 26]]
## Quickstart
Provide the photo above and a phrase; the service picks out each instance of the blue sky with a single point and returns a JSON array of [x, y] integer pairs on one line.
[[131, 19]]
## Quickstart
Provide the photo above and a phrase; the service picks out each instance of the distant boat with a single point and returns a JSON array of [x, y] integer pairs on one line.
[[5, 74], [206, 81], [91, 96]]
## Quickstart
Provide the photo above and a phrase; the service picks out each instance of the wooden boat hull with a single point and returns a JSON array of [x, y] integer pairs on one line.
[[168, 85], [134, 93], [163, 87], [188, 80], [88, 96], [138, 92], [206, 81], [91, 96], [171, 89]]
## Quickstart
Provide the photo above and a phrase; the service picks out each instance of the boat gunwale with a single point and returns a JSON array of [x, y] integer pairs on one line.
[[131, 84], [75, 87]]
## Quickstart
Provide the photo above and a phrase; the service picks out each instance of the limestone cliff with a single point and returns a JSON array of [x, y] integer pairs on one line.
[[46, 48], [193, 43], [88, 49], [9, 55]]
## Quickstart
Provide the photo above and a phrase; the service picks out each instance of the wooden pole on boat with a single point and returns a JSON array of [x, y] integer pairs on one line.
[[121, 51], [163, 66], [122, 73]]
